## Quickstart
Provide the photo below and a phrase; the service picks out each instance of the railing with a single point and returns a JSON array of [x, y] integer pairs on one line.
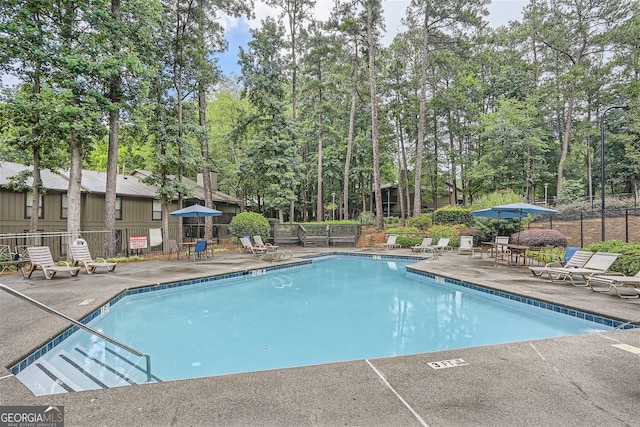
[[81, 326], [317, 234]]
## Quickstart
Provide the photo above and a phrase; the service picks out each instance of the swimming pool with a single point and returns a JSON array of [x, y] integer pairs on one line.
[[337, 308]]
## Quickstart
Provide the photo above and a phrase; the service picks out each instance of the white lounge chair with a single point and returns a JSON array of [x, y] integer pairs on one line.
[[41, 259], [82, 257], [248, 246], [598, 264], [260, 244], [390, 243], [442, 245], [425, 245], [615, 281], [466, 245], [577, 260]]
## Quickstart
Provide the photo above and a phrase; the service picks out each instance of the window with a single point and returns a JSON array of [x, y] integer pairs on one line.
[[157, 210], [29, 205], [118, 207], [65, 206]]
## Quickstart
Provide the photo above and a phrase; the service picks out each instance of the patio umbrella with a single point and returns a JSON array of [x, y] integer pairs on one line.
[[521, 209], [490, 213], [196, 211]]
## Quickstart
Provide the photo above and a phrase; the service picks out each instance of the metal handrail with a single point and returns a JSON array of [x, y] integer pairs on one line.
[[81, 326]]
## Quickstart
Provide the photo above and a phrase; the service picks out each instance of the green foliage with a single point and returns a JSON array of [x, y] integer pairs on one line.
[[421, 222], [407, 242], [572, 190], [402, 230], [540, 238], [444, 231], [629, 260], [392, 221], [453, 215], [366, 217], [249, 224]]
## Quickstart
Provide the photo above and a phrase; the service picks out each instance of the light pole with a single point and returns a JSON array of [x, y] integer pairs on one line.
[[546, 189], [602, 183]]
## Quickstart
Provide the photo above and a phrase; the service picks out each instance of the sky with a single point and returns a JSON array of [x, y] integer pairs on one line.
[[237, 30]]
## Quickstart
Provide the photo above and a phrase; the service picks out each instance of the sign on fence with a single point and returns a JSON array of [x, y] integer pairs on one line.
[[137, 242]]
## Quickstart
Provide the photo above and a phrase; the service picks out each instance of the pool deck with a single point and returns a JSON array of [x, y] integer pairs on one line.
[[570, 381]]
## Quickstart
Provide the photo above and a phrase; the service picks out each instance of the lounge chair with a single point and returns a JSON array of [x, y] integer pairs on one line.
[[466, 245], [260, 244], [598, 264], [199, 250], [442, 245], [248, 246], [573, 259], [82, 257], [390, 243], [41, 259], [615, 281], [425, 245]]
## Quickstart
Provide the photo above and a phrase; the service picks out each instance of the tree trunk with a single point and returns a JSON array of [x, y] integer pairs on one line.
[[206, 169], [374, 122], [422, 119], [565, 142]]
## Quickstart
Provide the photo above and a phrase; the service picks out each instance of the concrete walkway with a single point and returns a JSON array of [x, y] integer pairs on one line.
[[570, 381]]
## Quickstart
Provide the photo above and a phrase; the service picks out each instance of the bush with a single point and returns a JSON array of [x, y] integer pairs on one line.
[[453, 215], [629, 260], [407, 242], [476, 233], [249, 224], [402, 230], [421, 222], [367, 217], [539, 238], [392, 221], [438, 232]]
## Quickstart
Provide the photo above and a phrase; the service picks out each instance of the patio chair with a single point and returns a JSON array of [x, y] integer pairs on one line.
[[425, 245], [442, 245], [82, 257], [598, 264], [248, 246], [199, 250], [390, 243], [260, 244], [572, 259], [174, 248], [41, 259], [466, 245], [615, 281]]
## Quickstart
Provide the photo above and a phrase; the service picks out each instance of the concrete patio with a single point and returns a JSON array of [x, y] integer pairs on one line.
[[579, 380]]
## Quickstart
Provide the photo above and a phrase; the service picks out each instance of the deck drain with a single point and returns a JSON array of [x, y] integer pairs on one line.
[[627, 347], [87, 301], [452, 363]]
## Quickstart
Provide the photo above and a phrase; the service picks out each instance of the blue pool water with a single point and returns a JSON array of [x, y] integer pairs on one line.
[[335, 309]]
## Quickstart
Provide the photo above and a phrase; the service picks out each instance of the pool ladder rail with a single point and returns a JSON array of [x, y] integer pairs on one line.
[[98, 366]]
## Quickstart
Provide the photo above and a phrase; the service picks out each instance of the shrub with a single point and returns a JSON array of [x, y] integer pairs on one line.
[[407, 242], [402, 230], [249, 224], [629, 260], [392, 221], [453, 215], [366, 217], [539, 238], [476, 233], [438, 232], [421, 222]]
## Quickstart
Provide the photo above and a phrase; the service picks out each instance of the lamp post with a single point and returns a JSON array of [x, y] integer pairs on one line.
[[602, 183], [546, 189]]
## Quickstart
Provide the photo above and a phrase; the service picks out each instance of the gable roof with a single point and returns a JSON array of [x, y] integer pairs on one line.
[[92, 181]]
